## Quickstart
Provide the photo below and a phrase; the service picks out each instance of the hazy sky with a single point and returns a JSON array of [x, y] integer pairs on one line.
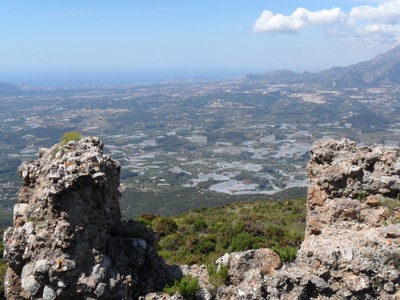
[[239, 35]]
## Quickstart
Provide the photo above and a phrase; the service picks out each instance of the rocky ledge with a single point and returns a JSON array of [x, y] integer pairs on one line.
[[68, 240]]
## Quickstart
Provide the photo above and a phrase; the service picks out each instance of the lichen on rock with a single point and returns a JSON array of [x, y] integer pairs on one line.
[[68, 240]]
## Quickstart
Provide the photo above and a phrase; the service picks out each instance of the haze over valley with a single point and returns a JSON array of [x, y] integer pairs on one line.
[[194, 143]]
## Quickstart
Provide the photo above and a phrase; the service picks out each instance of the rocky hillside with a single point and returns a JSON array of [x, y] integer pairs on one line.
[[68, 241]]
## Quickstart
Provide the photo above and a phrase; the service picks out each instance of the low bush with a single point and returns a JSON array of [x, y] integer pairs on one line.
[[150, 217], [171, 242], [187, 287], [287, 253], [243, 241], [70, 136], [201, 245], [165, 226], [218, 278]]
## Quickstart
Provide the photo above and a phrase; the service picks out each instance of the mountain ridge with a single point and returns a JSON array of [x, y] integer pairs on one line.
[[382, 69]]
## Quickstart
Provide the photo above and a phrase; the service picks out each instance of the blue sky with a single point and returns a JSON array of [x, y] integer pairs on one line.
[[189, 37]]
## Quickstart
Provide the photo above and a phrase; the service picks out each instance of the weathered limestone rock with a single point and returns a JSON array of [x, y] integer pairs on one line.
[[351, 248], [246, 272], [68, 241]]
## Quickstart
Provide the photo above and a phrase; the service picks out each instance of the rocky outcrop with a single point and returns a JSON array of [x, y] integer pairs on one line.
[[68, 240], [351, 247], [246, 271]]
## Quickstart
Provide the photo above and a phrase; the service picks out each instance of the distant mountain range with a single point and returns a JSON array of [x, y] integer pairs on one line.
[[383, 69]]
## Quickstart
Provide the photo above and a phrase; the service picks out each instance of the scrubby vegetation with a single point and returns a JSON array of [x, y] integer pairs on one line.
[[204, 234], [187, 286], [67, 137], [218, 277], [70, 136]]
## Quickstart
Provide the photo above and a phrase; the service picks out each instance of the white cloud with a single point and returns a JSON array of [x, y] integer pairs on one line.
[[376, 23], [377, 33], [299, 19], [387, 12]]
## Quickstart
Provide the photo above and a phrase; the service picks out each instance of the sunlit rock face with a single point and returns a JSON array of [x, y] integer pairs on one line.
[[351, 247], [68, 241]]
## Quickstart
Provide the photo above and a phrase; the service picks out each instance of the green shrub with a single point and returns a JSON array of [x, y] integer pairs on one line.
[[201, 245], [165, 226], [243, 241], [149, 217], [70, 136], [143, 221], [200, 225], [191, 243], [254, 228], [274, 232], [187, 287], [171, 242], [361, 195], [218, 278], [287, 253], [206, 245]]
